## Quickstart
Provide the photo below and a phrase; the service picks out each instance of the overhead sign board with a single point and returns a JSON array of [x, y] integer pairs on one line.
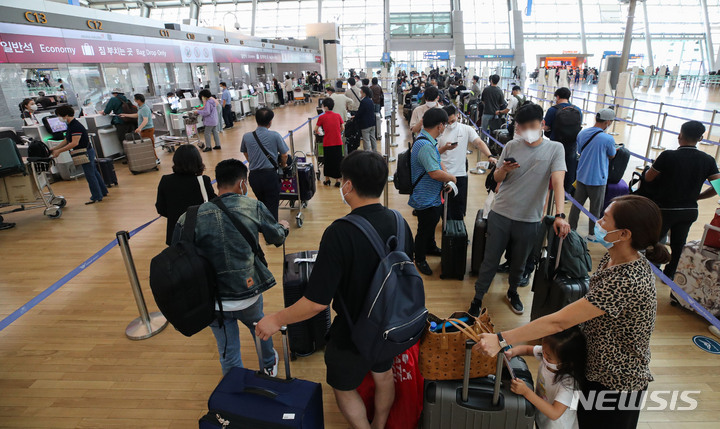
[[21, 43], [436, 55], [619, 54], [487, 57]]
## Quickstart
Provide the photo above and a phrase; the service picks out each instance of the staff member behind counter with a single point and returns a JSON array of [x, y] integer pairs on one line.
[[28, 109], [114, 106], [76, 139]]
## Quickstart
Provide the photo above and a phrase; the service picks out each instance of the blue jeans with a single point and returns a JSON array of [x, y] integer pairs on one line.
[[485, 124], [231, 336], [95, 181], [378, 108]]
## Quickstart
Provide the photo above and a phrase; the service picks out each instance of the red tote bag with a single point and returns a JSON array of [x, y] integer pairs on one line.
[[409, 383], [712, 239]]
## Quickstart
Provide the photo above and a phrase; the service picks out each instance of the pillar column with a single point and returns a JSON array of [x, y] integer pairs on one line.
[[627, 41], [254, 12], [583, 39], [708, 36], [648, 41]]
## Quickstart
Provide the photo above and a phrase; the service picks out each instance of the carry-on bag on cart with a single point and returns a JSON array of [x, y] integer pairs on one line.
[[307, 336], [305, 183], [247, 399], [480, 403], [453, 257], [478, 242], [698, 273], [555, 286], [140, 153], [107, 171], [10, 160]]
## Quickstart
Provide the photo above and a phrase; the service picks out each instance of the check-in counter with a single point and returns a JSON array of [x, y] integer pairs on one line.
[[107, 144]]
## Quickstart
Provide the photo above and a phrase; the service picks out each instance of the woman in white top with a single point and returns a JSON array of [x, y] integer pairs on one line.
[[289, 88]]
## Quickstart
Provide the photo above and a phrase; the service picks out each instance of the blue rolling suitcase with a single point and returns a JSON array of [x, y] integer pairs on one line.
[[250, 399]]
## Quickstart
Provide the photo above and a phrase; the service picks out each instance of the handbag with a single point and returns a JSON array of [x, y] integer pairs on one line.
[[442, 354], [712, 237], [79, 157]]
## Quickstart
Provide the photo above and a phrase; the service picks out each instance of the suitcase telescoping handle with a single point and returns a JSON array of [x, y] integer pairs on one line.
[[286, 352], [466, 374]]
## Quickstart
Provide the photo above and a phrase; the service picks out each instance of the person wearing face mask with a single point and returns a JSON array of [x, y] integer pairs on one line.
[[527, 164], [76, 141], [209, 113], [28, 109], [241, 275], [345, 265], [596, 149], [428, 176], [431, 96], [453, 144], [182, 189], [617, 316]]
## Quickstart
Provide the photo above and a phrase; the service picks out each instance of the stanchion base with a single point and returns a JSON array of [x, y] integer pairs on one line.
[[477, 171], [137, 330], [630, 125], [392, 159], [614, 134], [394, 145], [396, 135], [656, 130], [309, 154], [657, 148]]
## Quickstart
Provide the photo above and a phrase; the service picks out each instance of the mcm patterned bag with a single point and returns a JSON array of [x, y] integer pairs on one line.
[[442, 353]]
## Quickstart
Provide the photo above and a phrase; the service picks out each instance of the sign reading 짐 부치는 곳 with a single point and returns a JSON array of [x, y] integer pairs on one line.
[[23, 44]]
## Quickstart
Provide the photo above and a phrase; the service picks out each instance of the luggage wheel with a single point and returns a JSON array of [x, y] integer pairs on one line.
[[53, 212], [304, 204], [59, 201], [299, 220], [292, 203]]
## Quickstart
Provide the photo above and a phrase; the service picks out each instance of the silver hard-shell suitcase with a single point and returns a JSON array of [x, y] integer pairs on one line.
[[480, 403]]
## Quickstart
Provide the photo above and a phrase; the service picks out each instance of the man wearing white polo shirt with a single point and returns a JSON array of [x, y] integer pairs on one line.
[[453, 145]]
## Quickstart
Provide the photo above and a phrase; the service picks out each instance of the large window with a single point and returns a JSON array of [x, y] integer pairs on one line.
[[361, 29], [428, 25], [486, 24], [284, 19], [217, 16]]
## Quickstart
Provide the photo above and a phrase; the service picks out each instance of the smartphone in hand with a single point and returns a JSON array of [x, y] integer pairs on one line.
[[511, 160]]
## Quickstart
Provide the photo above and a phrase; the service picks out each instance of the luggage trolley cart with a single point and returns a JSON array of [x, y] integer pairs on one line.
[[190, 120], [297, 183], [35, 185]]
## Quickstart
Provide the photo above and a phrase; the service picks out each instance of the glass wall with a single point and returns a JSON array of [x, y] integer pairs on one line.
[[486, 24], [361, 29], [222, 14]]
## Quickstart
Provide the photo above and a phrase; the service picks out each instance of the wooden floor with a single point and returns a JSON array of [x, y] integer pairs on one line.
[[66, 363]]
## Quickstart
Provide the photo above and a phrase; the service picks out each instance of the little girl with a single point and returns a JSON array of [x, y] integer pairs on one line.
[[562, 369]]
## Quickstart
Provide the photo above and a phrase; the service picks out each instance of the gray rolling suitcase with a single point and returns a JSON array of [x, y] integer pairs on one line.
[[480, 403], [140, 153]]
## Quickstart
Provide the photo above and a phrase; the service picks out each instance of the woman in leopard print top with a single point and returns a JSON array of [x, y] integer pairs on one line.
[[617, 315]]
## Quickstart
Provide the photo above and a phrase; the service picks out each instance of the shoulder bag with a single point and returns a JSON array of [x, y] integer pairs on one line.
[[242, 229]]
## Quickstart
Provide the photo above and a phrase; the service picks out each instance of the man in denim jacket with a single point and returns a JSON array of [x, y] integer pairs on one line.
[[241, 277]]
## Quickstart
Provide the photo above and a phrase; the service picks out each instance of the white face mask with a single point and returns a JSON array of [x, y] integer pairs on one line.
[[244, 185], [531, 136], [33, 107], [451, 127], [343, 195], [550, 366], [431, 104]]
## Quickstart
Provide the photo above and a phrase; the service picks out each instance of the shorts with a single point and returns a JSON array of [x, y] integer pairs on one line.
[[346, 368]]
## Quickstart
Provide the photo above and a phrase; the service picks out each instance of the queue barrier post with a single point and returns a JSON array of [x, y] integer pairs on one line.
[[148, 324], [657, 122], [648, 148], [617, 110], [312, 140], [658, 145], [632, 117], [393, 127], [388, 132], [710, 127], [386, 193]]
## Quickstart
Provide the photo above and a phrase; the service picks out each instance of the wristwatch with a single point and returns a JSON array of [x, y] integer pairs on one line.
[[560, 215], [504, 346]]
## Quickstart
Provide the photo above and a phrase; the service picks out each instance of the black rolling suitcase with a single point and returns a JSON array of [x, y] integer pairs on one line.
[[307, 336], [478, 242], [552, 289], [480, 403], [453, 259], [107, 171]]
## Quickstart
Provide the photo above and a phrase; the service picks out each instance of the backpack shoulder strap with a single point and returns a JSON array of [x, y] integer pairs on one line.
[[589, 140], [370, 232], [188, 232], [400, 231]]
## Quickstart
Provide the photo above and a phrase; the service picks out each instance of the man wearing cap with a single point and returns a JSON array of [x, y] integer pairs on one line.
[[596, 148], [114, 105]]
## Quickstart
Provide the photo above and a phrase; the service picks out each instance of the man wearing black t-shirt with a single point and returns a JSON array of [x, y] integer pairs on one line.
[[680, 174], [345, 266]]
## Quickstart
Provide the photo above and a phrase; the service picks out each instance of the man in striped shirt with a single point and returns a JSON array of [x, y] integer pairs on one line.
[[428, 177]]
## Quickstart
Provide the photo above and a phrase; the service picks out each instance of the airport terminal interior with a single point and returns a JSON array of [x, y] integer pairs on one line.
[[83, 343]]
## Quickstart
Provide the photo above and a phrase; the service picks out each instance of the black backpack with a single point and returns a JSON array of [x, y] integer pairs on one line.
[[182, 281], [38, 149], [618, 165], [393, 316], [402, 179], [567, 125], [128, 107]]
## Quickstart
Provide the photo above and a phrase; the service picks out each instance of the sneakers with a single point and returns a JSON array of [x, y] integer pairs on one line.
[[218, 147], [207, 149], [591, 238], [475, 307], [504, 267], [524, 280], [423, 267], [515, 304], [272, 370]]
